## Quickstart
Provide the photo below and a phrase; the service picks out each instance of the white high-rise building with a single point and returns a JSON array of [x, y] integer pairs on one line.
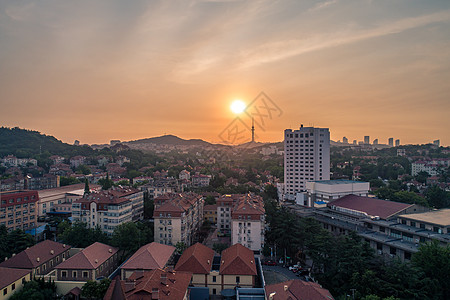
[[306, 158]]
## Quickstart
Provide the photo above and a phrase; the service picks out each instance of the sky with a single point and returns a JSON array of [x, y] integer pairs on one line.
[[94, 71]]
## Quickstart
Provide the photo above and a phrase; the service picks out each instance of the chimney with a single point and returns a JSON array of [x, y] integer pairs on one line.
[[155, 293], [52, 252], [271, 295], [110, 250], [285, 287], [38, 259]]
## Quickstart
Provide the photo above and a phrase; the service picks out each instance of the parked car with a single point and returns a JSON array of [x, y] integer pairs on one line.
[[269, 263]]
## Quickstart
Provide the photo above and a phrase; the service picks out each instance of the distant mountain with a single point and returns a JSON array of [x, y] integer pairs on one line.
[[29, 143], [170, 140]]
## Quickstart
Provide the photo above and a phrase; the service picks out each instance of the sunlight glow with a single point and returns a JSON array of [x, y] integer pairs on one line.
[[238, 106]]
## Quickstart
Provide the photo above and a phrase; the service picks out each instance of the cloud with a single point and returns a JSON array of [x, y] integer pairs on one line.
[[322, 5], [282, 49]]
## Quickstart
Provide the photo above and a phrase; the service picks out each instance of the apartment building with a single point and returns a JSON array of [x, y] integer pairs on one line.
[[248, 222], [18, 209], [224, 208], [40, 259], [210, 213], [104, 210], [328, 190], [135, 196], [177, 218], [306, 158]]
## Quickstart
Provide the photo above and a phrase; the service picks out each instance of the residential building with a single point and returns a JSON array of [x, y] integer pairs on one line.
[[154, 284], [47, 181], [236, 267], [40, 258], [391, 142], [306, 158], [248, 222], [184, 175], [77, 161], [135, 196], [12, 280], [177, 218], [375, 142], [18, 209], [324, 191], [401, 152], [210, 213], [97, 260], [397, 142], [149, 257], [431, 166], [297, 289], [224, 208], [345, 140], [402, 236], [201, 180], [104, 210], [367, 140]]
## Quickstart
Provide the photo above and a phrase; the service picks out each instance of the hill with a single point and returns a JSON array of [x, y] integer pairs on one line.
[[29, 143], [170, 140]]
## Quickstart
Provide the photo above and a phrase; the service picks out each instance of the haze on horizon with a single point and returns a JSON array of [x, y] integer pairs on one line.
[[101, 70]]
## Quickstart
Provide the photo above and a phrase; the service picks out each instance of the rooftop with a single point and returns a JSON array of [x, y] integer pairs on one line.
[[298, 289], [10, 275], [197, 259], [149, 257], [439, 217], [237, 260], [89, 258], [339, 181]]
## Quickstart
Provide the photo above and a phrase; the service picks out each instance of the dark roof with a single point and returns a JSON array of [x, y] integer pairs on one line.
[[197, 259], [89, 258], [298, 289], [149, 284], [149, 257], [34, 256], [371, 206], [237, 260], [9, 275]]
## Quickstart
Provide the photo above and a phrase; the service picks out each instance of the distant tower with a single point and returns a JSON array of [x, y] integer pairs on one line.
[[397, 143], [367, 140], [345, 140], [391, 142], [253, 130], [437, 143], [375, 141]]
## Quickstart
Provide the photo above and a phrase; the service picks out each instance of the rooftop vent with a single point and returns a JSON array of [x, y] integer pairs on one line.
[[208, 262], [52, 252], [38, 259], [285, 288], [13, 254], [110, 250], [96, 261]]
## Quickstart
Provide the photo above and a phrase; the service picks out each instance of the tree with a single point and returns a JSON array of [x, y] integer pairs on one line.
[[434, 260], [106, 183], [79, 236], [437, 197], [14, 241], [409, 197], [210, 200], [63, 181], [87, 191], [37, 289], [422, 176], [95, 290], [126, 237], [271, 191], [219, 247], [180, 247]]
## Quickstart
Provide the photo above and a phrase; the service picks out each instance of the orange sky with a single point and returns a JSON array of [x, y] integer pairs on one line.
[[129, 70]]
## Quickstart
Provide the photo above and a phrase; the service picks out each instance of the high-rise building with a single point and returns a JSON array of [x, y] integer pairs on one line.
[[391, 142], [306, 158], [355, 142], [375, 141], [367, 140], [437, 143], [345, 140], [397, 143]]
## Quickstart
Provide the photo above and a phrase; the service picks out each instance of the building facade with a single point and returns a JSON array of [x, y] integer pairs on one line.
[[306, 158], [329, 190], [18, 209]]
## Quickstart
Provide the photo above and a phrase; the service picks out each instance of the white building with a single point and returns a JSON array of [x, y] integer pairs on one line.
[[306, 158], [184, 175], [329, 190]]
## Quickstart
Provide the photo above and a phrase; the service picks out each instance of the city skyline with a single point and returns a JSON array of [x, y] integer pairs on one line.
[[100, 71]]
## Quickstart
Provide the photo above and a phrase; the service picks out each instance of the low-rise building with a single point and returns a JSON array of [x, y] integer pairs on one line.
[[329, 190], [210, 213], [97, 260], [12, 280], [18, 209], [177, 218], [201, 180], [149, 257], [297, 289], [39, 259], [154, 284]]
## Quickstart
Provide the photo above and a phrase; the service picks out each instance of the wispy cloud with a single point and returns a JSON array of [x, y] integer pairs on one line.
[[282, 49], [322, 5]]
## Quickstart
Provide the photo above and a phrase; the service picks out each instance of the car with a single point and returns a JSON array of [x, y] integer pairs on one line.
[[294, 267], [269, 263]]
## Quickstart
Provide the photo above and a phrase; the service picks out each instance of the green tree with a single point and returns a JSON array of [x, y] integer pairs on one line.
[[434, 260], [126, 237], [63, 181], [180, 247], [210, 200], [437, 197], [409, 197], [422, 176], [106, 183], [219, 247]]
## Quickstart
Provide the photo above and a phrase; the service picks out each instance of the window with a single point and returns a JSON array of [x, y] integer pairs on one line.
[[238, 279], [85, 274], [13, 287], [214, 292], [64, 274], [214, 279], [74, 274], [5, 291]]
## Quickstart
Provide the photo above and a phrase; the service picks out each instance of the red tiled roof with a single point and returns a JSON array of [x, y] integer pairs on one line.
[[147, 285], [372, 206], [297, 289], [237, 260], [149, 257], [212, 207], [196, 259], [34, 256], [9, 275], [89, 258]]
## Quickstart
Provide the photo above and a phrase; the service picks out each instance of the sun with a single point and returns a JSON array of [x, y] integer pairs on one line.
[[238, 106]]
